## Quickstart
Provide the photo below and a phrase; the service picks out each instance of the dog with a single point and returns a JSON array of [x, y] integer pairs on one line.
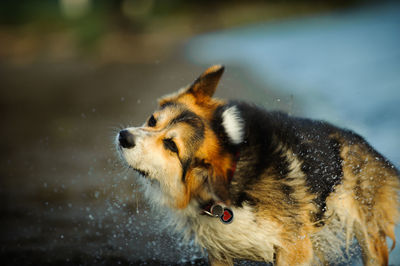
[[262, 185]]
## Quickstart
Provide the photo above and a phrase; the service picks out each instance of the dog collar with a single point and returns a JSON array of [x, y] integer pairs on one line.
[[218, 210], [232, 170]]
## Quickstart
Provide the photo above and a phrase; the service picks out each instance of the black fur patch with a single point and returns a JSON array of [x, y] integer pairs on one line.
[[185, 166], [320, 156], [191, 119], [268, 136], [168, 104]]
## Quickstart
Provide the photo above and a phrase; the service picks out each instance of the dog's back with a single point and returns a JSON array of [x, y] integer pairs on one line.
[[290, 162]]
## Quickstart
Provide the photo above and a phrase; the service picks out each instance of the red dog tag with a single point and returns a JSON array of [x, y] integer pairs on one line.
[[227, 216]]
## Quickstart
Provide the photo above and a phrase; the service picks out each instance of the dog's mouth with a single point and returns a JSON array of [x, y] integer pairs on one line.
[[141, 172]]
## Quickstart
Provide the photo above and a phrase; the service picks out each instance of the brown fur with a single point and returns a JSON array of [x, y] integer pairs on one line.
[[373, 186]]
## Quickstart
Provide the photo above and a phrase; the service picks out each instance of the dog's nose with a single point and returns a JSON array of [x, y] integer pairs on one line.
[[126, 139]]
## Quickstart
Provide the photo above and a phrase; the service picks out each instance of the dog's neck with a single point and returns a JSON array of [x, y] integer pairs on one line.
[[206, 205]]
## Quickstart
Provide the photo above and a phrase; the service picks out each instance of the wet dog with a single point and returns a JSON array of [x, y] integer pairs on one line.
[[264, 186]]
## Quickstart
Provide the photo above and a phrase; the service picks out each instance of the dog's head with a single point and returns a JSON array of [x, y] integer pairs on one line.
[[180, 144]]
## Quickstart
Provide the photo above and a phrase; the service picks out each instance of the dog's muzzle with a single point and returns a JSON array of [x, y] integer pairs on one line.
[[126, 139]]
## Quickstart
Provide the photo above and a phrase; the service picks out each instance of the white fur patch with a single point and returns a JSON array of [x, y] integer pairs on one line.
[[233, 124], [245, 238]]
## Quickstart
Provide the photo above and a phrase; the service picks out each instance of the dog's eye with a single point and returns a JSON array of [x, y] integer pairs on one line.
[[152, 121], [170, 145]]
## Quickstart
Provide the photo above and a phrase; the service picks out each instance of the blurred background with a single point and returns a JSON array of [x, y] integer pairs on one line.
[[72, 72]]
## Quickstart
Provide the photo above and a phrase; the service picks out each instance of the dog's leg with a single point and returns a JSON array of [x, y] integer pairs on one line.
[[217, 262], [374, 184], [320, 258], [373, 246], [299, 252]]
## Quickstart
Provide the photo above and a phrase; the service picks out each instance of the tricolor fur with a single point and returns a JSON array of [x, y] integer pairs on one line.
[[300, 190]]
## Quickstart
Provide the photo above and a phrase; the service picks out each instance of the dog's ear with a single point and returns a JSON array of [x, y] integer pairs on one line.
[[206, 84], [202, 89]]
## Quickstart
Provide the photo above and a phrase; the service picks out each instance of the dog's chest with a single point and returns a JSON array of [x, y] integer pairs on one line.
[[246, 237]]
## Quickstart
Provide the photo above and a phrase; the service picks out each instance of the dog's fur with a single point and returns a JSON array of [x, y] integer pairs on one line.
[[300, 190]]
